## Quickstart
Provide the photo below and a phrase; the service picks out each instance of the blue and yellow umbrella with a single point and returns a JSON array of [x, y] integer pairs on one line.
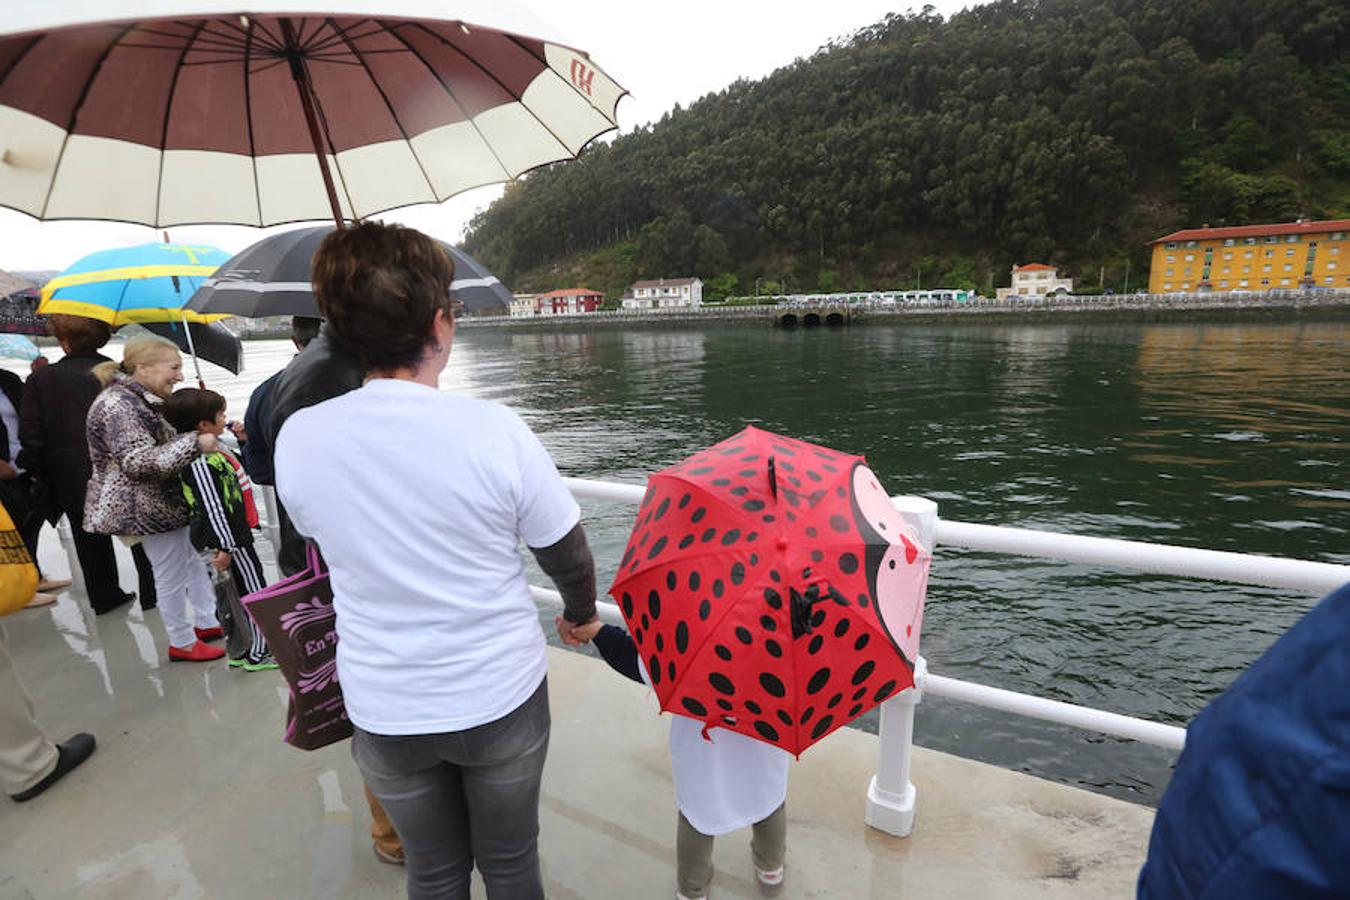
[[134, 285]]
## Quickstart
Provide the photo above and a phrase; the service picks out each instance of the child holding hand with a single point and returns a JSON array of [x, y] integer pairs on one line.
[[220, 514], [723, 782]]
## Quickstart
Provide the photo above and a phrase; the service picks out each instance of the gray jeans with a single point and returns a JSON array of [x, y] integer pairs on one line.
[[465, 797]]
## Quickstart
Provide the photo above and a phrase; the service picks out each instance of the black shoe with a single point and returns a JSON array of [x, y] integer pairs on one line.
[[123, 599], [69, 755]]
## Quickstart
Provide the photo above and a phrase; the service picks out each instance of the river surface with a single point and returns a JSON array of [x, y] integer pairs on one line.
[[1221, 436]]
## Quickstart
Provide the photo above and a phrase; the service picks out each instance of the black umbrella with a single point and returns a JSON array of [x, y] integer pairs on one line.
[[271, 278], [212, 342]]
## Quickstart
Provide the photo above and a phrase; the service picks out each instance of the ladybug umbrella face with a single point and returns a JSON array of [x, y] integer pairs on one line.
[[772, 589]]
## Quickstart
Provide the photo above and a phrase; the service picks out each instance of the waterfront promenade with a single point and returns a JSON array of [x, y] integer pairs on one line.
[[192, 794], [1135, 307]]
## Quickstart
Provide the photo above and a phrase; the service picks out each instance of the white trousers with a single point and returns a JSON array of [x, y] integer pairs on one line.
[[181, 581]]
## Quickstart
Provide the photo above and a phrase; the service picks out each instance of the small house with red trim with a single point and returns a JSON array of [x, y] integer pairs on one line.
[[1035, 280], [569, 301]]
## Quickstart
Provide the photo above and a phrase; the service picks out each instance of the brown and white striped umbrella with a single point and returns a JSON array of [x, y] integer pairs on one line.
[[171, 112]]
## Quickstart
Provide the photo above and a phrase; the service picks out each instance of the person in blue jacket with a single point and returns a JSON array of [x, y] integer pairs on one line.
[[1259, 805]]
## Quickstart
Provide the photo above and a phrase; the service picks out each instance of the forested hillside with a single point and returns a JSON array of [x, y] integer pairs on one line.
[[941, 152]]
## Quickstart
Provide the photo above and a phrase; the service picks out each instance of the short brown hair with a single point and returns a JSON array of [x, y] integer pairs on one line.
[[81, 334], [379, 286], [186, 408]]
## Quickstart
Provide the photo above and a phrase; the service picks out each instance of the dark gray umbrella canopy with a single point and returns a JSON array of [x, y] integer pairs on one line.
[[211, 341], [271, 278]]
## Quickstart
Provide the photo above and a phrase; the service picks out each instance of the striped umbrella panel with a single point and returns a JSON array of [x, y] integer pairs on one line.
[[199, 120]]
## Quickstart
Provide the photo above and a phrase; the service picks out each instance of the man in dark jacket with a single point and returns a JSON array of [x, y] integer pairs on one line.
[[55, 451], [323, 370], [257, 450], [1259, 805]]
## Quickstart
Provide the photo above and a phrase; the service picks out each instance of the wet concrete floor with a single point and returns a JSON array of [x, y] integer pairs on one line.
[[192, 794]]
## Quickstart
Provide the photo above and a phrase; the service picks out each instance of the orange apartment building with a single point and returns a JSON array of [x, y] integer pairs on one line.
[[1286, 256]]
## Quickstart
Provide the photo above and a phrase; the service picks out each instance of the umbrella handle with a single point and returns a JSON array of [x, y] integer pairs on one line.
[[800, 603], [192, 348]]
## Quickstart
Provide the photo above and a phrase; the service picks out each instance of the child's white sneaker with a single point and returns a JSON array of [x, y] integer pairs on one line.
[[770, 878]]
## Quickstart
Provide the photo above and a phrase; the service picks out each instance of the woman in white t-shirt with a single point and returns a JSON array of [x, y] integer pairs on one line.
[[419, 501]]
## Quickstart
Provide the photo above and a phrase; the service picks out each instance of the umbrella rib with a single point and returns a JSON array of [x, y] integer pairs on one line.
[[277, 44], [19, 57], [505, 89], [393, 114], [265, 66], [453, 99], [188, 39], [342, 35], [75, 112], [245, 34], [168, 109], [248, 118]]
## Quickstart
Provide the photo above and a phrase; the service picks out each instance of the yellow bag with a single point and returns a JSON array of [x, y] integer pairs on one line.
[[18, 575]]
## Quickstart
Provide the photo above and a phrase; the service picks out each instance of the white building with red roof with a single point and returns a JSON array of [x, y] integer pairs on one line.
[[1035, 280]]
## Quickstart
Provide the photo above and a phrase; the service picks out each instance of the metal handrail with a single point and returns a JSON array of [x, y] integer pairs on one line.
[[1305, 576], [1158, 734]]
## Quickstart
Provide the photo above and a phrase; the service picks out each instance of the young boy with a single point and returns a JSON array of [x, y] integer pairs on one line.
[[220, 520], [724, 781]]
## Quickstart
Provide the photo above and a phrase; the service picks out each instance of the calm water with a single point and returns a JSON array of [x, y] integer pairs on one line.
[[1229, 436]]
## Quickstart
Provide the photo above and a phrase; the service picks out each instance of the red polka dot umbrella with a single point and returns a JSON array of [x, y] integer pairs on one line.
[[773, 589]]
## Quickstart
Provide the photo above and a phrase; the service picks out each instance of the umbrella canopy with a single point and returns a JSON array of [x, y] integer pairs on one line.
[[271, 278], [210, 341], [16, 346], [773, 589], [146, 283], [168, 112]]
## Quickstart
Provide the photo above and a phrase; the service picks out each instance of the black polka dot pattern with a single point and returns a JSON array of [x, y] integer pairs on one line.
[[705, 585]]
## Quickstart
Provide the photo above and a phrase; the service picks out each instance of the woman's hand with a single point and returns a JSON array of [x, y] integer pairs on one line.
[[237, 429], [221, 560], [7, 471], [207, 443]]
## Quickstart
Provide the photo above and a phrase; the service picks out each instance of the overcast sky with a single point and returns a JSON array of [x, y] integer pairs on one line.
[[663, 53]]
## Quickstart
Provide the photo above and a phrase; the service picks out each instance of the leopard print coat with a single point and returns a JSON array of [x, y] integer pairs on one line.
[[137, 458]]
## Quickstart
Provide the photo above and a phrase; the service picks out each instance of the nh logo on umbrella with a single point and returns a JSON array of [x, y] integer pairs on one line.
[[582, 75], [190, 251]]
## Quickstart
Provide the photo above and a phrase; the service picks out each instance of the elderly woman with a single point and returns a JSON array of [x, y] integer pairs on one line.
[[419, 501], [52, 429], [137, 460]]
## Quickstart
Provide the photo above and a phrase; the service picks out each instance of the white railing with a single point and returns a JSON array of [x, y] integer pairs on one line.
[[890, 796]]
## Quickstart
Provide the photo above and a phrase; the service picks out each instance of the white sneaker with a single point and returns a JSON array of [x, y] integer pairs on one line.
[[771, 878], [679, 896]]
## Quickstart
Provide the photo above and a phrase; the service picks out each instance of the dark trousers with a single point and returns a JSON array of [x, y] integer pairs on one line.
[[464, 798], [16, 494], [99, 565]]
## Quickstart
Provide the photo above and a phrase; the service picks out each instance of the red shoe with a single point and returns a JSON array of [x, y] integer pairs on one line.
[[210, 634], [198, 652]]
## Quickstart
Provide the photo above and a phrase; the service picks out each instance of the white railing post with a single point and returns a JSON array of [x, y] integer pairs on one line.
[[891, 796], [67, 536]]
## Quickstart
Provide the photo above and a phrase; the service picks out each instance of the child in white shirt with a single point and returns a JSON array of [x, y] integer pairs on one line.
[[723, 782]]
